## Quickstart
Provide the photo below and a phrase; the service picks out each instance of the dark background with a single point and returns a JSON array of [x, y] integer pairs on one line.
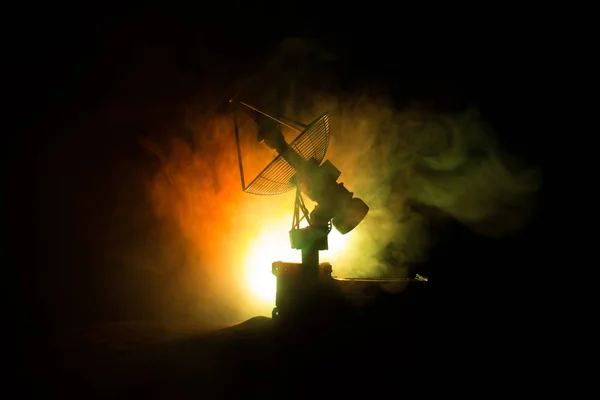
[[78, 94]]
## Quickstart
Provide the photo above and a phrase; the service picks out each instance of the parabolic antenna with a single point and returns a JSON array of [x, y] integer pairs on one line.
[[276, 177], [299, 164]]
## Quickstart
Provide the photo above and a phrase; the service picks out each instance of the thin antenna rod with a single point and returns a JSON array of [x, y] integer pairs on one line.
[[293, 122], [267, 115], [239, 151]]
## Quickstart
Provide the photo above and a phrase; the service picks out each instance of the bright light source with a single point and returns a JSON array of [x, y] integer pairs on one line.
[[262, 282], [269, 246], [272, 244], [336, 243]]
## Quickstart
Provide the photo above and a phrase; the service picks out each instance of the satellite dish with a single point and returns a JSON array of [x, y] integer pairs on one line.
[[299, 164], [278, 176]]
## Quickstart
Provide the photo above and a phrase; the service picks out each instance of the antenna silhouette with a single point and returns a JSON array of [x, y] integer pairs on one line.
[[299, 164], [278, 176]]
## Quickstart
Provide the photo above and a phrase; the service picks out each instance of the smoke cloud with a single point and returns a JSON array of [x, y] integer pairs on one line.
[[415, 166], [412, 166]]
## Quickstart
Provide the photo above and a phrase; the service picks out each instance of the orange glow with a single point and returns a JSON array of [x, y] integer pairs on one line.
[[264, 248], [231, 237], [217, 243], [272, 244]]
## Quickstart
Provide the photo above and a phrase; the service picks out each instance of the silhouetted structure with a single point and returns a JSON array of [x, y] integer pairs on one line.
[[307, 288]]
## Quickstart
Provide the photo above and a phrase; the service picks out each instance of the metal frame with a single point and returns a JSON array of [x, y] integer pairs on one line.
[[299, 205]]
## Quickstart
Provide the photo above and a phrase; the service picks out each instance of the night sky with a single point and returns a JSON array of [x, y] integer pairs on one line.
[[87, 87]]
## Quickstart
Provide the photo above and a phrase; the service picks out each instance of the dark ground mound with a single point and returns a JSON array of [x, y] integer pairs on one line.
[[396, 343], [371, 350]]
